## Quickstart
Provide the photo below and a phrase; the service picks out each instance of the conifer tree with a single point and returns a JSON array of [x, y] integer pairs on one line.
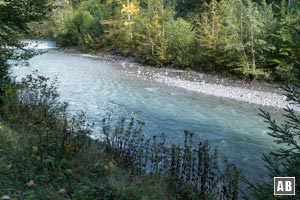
[[285, 160], [211, 32], [284, 57], [151, 28]]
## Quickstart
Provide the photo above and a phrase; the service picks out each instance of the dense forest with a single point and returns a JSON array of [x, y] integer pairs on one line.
[[251, 39]]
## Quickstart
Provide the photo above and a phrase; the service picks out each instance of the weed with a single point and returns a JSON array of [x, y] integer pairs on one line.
[[192, 171]]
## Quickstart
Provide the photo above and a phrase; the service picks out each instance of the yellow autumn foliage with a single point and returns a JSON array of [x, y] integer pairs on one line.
[[68, 148], [130, 8]]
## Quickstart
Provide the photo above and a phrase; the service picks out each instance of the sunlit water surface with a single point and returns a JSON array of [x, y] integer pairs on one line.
[[99, 88]]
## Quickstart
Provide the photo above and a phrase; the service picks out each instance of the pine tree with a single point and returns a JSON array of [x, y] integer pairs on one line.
[[151, 29], [285, 54], [211, 32], [181, 43], [284, 161]]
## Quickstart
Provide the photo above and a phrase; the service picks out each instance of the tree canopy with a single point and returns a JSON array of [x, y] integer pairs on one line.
[[256, 39], [14, 21]]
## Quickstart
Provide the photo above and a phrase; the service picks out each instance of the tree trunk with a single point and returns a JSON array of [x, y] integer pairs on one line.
[[242, 39]]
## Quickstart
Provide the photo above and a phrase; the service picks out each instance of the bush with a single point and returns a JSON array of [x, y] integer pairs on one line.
[[82, 27], [47, 154], [192, 171], [32, 106], [181, 43]]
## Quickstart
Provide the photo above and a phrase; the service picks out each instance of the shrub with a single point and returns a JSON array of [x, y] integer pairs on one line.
[[33, 106], [82, 27], [192, 171], [181, 43]]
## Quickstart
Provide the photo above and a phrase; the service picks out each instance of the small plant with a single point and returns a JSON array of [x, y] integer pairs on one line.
[[51, 141], [50, 137], [46, 154], [192, 171]]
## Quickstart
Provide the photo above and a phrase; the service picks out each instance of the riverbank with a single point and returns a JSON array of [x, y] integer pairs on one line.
[[46, 153], [100, 87], [25, 173], [259, 93]]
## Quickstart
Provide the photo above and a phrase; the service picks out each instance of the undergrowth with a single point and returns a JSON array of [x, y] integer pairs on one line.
[[46, 153], [191, 171]]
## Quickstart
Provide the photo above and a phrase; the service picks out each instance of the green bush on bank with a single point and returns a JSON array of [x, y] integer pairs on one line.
[[43, 144], [46, 153], [193, 170], [255, 40], [81, 26]]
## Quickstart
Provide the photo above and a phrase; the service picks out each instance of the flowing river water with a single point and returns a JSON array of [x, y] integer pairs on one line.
[[101, 88]]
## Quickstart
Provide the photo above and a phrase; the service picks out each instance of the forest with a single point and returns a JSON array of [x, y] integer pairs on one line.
[[249, 39], [47, 152]]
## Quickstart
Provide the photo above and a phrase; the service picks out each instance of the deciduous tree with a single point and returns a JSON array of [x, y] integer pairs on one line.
[[246, 31], [15, 15]]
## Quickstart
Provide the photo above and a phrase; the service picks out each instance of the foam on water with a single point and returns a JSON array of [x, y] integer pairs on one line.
[[40, 44]]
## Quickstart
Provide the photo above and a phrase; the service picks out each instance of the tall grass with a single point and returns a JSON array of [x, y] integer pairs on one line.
[[192, 170]]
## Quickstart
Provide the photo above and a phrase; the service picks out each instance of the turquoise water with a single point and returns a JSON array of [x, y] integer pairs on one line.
[[100, 88]]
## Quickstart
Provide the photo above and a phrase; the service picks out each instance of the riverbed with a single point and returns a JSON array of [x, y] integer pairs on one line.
[[102, 87]]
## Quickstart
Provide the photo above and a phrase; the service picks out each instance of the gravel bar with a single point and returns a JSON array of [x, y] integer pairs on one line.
[[259, 93]]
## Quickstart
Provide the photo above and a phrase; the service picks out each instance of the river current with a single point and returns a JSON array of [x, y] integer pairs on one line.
[[100, 88]]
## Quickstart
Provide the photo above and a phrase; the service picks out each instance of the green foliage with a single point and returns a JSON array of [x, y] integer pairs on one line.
[[82, 27], [150, 33], [284, 56], [45, 144], [211, 37], [192, 171], [246, 32], [14, 19], [24, 174], [152, 36], [121, 25], [181, 43], [48, 27], [246, 38], [285, 161], [161, 39], [35, 108]]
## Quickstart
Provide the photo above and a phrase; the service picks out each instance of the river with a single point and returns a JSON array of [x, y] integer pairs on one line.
[[101, 88]]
